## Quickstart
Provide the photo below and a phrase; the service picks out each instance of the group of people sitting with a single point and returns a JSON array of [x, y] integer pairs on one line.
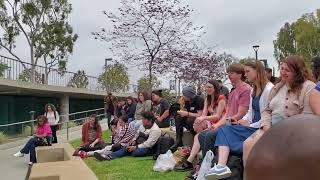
[[221, 122]]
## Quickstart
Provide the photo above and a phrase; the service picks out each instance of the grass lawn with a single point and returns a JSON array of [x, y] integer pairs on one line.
[[127, 168]]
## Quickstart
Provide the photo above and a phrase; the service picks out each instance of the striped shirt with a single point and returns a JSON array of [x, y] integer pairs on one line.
[[123, 135]]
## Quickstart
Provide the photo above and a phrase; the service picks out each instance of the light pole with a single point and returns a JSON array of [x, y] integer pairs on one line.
[[256, 48], [106, 68]]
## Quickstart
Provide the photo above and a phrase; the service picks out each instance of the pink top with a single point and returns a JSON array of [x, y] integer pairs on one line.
[[240, 96], [44, 129]]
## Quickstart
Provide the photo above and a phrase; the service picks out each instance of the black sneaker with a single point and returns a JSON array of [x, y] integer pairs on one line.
[[186, 166], [99, 157]]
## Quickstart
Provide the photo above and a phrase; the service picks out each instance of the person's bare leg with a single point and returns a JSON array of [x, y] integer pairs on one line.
[[195, 148], [223, 154]]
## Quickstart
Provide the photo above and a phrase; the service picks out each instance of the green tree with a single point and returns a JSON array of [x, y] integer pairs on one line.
[[167, 95], [144, 83], [25, 75], [79, 80], [301, 37], [115, 78], [43, 23], [3, 68]]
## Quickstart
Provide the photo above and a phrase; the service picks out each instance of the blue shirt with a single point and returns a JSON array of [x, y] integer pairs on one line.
[[318, 86], [256, 109]]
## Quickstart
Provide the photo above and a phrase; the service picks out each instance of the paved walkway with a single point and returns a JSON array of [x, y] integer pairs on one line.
[[13, 168]]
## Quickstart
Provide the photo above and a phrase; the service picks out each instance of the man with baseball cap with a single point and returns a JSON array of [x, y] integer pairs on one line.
[[192, 109]]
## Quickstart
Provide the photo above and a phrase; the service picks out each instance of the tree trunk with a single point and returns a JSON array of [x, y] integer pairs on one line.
[[33, 66], [46, 71], [150, 77]]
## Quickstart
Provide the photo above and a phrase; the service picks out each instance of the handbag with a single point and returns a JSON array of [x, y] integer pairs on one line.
[[41, 141]]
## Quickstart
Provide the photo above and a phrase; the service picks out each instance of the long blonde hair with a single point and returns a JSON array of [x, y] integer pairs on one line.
[[261, 79]]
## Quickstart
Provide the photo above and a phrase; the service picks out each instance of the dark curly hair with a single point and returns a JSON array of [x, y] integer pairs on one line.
[[301, 72]]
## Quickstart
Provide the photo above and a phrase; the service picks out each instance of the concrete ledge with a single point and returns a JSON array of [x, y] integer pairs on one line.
[[28, 88], [187, 137], [57, 163]]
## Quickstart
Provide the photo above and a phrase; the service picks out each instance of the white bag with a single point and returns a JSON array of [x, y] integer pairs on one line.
[[205, 165], [165, 162]]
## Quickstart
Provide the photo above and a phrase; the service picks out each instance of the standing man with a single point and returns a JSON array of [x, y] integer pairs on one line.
[[185, 118], [109, 103]]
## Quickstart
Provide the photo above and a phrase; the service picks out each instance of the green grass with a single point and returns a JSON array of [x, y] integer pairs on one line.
[[127, 168]]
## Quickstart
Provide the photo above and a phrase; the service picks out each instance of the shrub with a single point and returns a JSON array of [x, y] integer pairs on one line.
[[3, 138]]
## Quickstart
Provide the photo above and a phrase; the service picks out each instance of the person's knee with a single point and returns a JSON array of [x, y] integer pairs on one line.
[[211, 136]]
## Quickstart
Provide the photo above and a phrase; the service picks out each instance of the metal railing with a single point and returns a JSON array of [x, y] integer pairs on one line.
[[19, 70], [26, 128]]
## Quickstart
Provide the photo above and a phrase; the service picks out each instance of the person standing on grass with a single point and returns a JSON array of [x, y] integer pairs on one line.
[[42, 136], [53, 118], [110, 101], [144, 140]]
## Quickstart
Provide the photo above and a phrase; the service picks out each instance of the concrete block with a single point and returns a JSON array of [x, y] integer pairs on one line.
[[57, 163]]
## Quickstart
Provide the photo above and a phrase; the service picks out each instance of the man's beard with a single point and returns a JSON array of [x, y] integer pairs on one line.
[[148, 126]]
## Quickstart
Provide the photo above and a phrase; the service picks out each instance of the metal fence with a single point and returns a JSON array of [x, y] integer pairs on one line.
[[26, 128], [18, 70]]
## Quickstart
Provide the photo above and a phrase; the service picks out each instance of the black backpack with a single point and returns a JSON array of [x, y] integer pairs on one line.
[[163, 145], [235, 164]]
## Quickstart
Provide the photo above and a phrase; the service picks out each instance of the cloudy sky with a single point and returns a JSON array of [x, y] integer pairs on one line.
[[232, 26]]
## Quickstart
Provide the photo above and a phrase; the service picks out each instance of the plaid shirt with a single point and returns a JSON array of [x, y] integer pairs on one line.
[[123, 135]]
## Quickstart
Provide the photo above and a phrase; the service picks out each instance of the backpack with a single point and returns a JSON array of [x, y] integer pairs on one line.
[[163, 145], [235, 164]]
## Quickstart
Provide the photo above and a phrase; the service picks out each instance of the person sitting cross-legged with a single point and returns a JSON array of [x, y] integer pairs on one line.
[[144, 140], [230, 138]]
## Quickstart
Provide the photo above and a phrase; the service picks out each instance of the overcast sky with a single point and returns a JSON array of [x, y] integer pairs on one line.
[[232, 26]]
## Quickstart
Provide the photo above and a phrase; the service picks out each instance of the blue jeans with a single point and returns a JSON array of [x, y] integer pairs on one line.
[[30, 147], [139, 152], [207, 139]]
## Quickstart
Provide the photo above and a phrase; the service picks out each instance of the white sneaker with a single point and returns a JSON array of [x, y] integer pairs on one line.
[[218, 172], [18, 154]]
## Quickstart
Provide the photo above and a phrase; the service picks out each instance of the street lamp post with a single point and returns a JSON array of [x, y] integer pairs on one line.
[[106, 68], [256, 48]]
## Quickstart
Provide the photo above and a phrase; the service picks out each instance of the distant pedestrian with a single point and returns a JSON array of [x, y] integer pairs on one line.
[[53, 118]]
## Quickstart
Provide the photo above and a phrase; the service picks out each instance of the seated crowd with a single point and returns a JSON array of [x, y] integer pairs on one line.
[[227, 124]]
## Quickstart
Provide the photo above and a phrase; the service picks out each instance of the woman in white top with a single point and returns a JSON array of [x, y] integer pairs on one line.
[[53, 118]]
